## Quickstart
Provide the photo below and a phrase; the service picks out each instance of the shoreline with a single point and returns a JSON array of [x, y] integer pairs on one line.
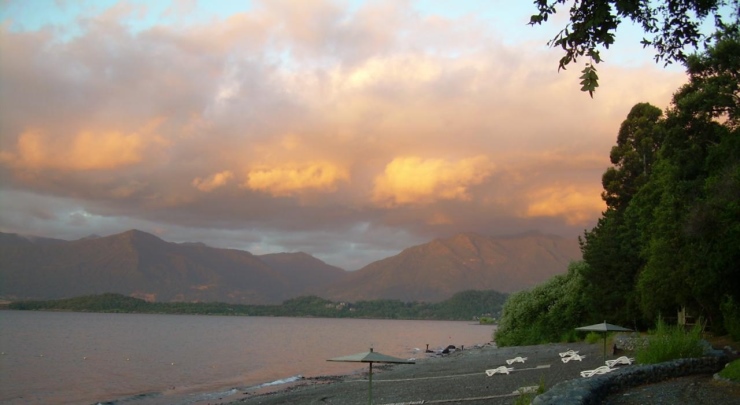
[[457, 377]]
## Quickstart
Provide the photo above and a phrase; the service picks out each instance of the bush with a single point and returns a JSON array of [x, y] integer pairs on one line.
[[484, 320], [731, 315], [731, 371], [547, 313], [671, 342], [569, 336], [593, 337]]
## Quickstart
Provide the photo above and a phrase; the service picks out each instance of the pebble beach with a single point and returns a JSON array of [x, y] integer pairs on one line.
[[461, 378], [458, 377]]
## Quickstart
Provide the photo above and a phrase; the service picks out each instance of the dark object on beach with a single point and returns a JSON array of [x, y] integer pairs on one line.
[[371, 357], [604, 328], [448, 349]]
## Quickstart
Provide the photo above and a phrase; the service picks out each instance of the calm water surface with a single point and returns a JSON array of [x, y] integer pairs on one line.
[[81, 358]]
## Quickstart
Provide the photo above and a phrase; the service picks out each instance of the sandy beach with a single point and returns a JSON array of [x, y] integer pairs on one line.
[[459, 377]]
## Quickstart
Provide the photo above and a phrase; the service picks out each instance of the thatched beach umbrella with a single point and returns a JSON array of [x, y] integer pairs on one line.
[[604, 328], [371, 357]]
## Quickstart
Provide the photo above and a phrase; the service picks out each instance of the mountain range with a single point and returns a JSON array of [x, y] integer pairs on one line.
[[141, 265]]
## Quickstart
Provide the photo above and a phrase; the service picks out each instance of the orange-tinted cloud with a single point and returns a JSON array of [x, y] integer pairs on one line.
[[293, 179], [86, 150], [413, 180], [578, 205], [386, 118], [213, 181]]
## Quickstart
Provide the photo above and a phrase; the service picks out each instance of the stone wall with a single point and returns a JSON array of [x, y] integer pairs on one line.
[[592, 390]]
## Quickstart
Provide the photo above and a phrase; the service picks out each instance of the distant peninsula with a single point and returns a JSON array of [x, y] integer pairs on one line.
[[466, 305]]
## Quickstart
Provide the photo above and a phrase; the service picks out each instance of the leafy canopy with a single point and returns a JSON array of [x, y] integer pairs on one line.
[[672, 25], [546, 313], [670, 237]]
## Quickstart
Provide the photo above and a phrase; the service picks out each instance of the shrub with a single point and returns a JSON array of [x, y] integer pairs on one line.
[[593, 337], [484, 320], [731, 314], [569, 336], [547, 313], [668, 342], [731, 371]]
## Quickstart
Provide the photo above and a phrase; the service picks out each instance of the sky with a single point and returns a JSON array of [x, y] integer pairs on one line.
[[349, 130]]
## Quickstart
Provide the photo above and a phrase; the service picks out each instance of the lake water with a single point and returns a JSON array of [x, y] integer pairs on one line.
[[85, 358]]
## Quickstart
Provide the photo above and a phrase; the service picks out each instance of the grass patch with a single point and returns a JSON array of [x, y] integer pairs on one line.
[[670, 342], [594, 337], [526, 398], [731, 371], [569, 337]]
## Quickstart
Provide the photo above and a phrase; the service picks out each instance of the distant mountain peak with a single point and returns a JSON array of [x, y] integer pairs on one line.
[[137, 235], [286, 257], [20, 239], [199, 244], [436, 270], [138, 263]]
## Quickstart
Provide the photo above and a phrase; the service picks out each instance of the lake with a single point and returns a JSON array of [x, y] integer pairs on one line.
[[142, 359]]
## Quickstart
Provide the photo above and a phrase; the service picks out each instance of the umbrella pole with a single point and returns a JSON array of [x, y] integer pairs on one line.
[[604, 346], [370, 390]]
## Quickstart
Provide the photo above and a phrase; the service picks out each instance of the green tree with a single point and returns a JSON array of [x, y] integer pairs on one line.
[[612, 249], [670, 235], [639, 138], [545, 313], [673, 26], [612, 252], [693, 239]]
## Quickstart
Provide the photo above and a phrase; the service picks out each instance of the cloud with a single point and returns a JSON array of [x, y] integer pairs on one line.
[[346, 130], [578, 205], [294, 179], [86, 150], [213, 181], [413, 180]]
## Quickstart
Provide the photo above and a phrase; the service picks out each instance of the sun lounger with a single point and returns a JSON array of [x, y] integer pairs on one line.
[[573, 357], [600, 370], [499, 370], [518, 359], [621, 360], [568, 353], [532, 389]]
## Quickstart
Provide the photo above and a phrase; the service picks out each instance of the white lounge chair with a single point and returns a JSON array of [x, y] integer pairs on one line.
[[620, 360], [573, 357], [499, 370], [568, 353], [599, 370], [518, 359], [532, 389]]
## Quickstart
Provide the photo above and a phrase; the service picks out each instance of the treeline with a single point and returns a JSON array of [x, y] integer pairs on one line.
[[670, 236], [462, 306]]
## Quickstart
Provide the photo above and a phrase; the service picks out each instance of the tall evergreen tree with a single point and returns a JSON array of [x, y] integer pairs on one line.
[[694, 238], [612, 249]]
